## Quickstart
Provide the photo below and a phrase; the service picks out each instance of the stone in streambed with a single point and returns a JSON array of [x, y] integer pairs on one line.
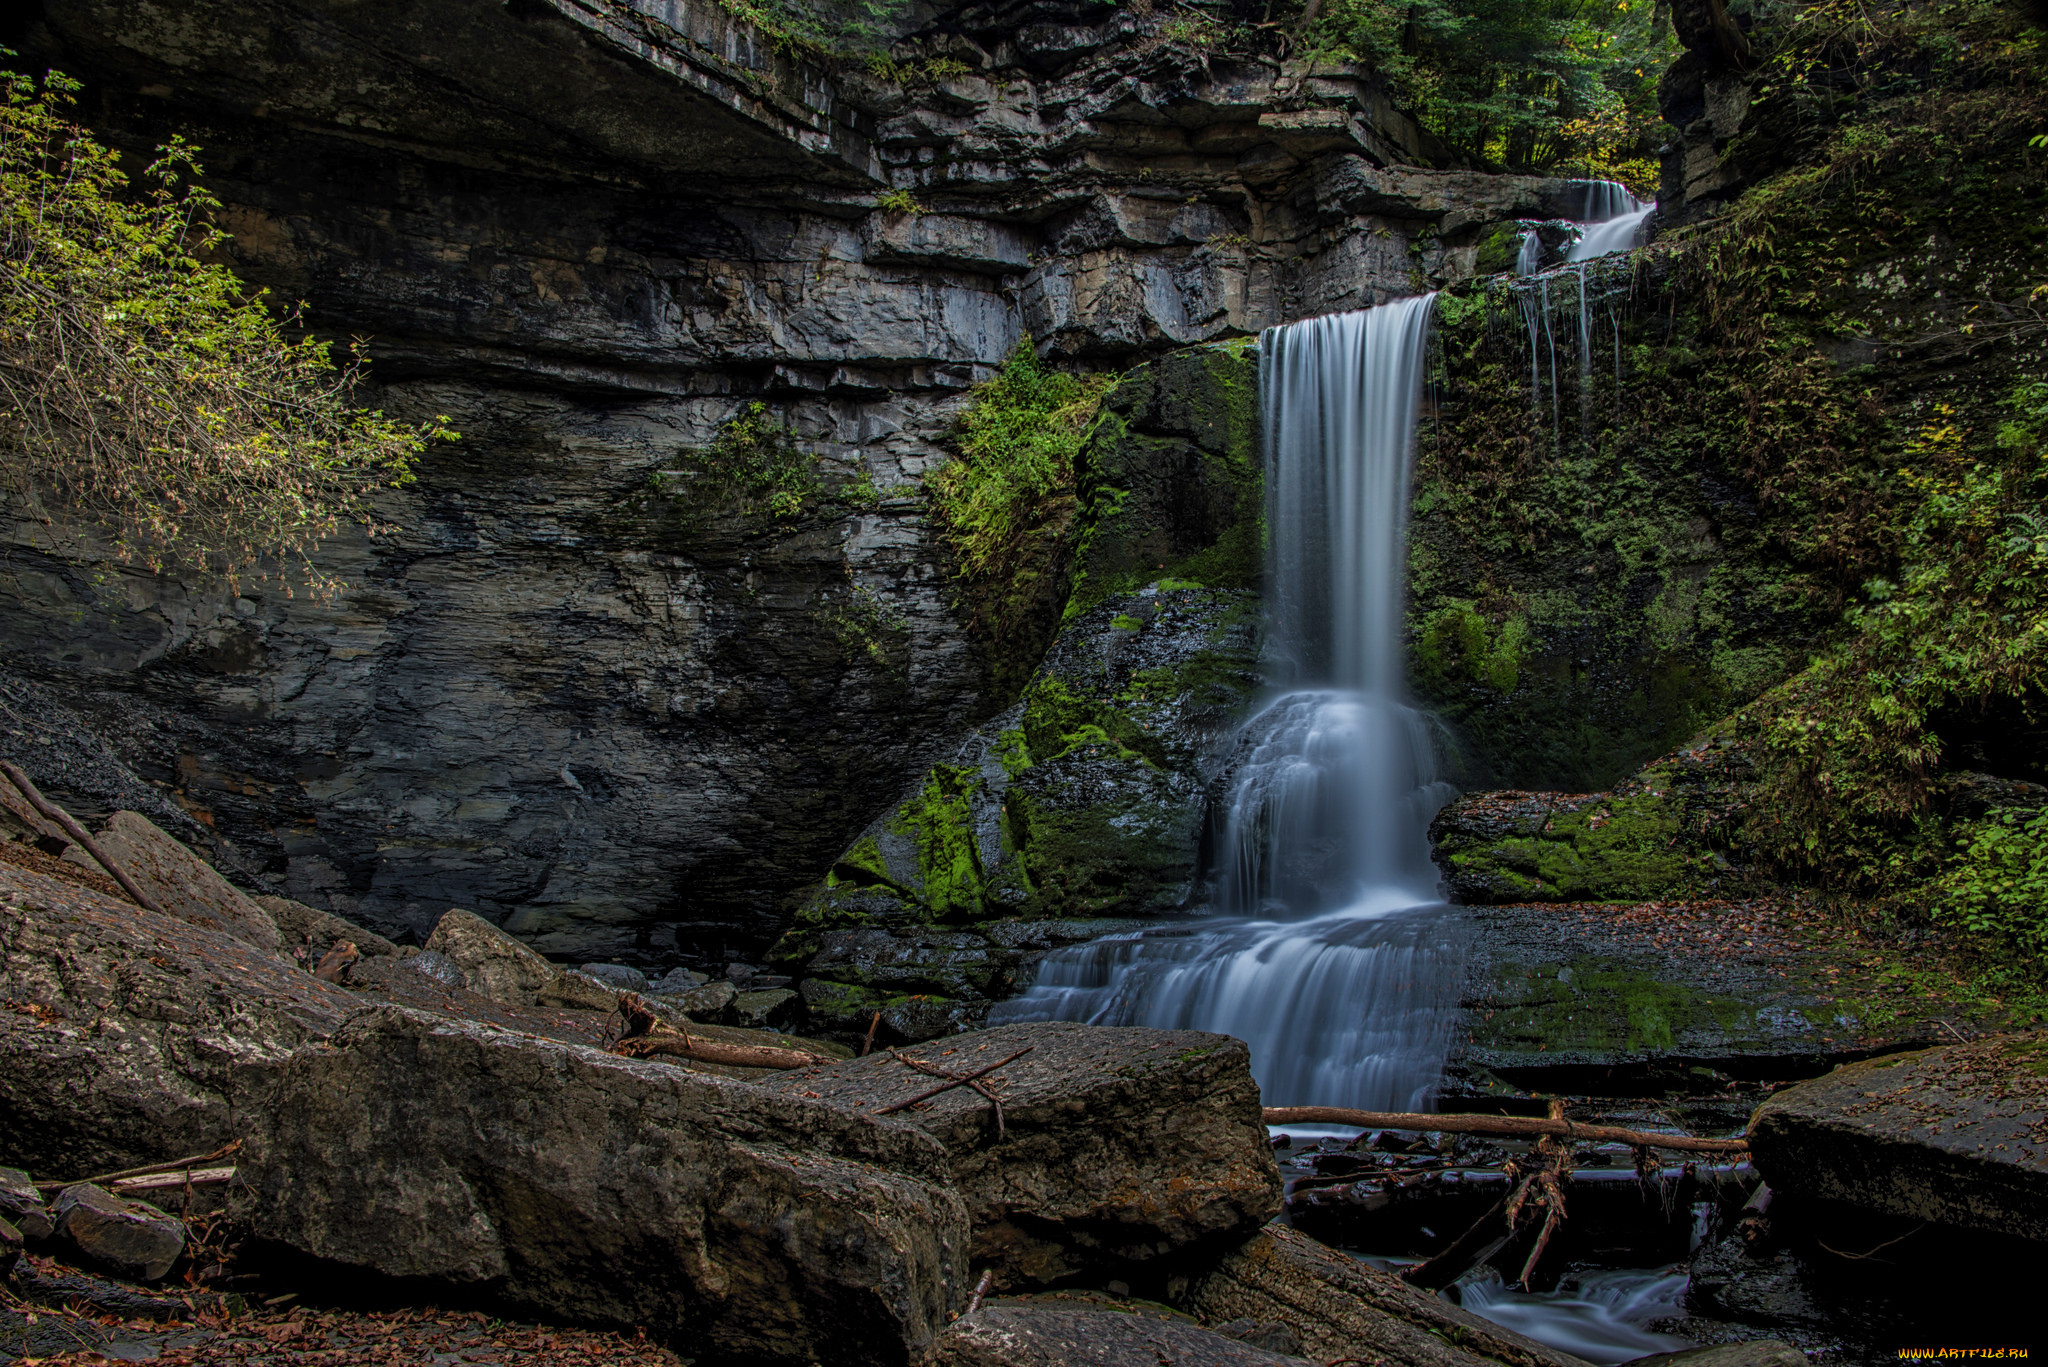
[[768, 1007], [709, 1002], [1342, 1308], [1957, 1135], [1755, 1353], [1036, 1334], [570, 1181], [618, 977], [127, 1238], [1119, 1145]]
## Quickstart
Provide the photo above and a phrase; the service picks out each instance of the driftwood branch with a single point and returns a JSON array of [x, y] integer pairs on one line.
[[79, 836], [646, 1035], [160, 1181], [951, 1083], [988, 1279], [150, 1169], [1513, 1126]]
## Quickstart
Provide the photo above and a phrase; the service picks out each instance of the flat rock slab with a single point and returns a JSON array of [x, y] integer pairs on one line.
[[1031, 1334], [128, 1037], [1344, 1309], [1116, 1145], [1957, 1135], [1592, 997], [179, 881], [747, 1222]]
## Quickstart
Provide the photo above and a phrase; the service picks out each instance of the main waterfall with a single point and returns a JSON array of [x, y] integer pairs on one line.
[[1324, 951]]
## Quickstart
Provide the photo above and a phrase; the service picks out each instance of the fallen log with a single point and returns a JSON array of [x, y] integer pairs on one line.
[[680, 1044], [646, 1035], [962, 1080], [177, 1165], [79, 836], [1512, 1126]]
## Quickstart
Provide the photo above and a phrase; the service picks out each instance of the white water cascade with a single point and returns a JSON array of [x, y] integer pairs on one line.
[[1323, 952], [1615, 218]]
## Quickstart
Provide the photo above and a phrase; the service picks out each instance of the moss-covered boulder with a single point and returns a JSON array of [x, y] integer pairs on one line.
[[1655, 835]]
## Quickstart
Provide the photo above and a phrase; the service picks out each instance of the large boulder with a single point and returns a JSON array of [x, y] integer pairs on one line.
[[1957, 1135], [754, 1223], [1115, 1146], [1345, 1309], [493, 964], [179, 881], [1029, 1334], [131, 1037]]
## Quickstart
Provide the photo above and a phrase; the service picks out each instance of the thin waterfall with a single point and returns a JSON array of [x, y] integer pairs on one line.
[[1326, 950]]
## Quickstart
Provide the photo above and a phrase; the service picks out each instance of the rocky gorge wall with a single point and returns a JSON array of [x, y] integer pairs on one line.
[[623, 724]]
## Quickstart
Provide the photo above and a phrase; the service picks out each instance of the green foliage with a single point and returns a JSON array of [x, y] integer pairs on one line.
[[1526, 84], [754, 463], [1015, 474], [144, 392], [899, 202], [1997, 887]]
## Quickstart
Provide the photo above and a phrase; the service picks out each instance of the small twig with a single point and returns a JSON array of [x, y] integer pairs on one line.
[[981, 1089], [79, 836], [988, 1279], [948, 1086], [869, 1042], [1861, 1257]]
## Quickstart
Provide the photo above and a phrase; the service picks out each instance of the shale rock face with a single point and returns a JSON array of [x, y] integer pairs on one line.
[[1116, 1146], [603, 715], [1342, 1308], [1955, 1135], [130, 1037], [759, 1224]]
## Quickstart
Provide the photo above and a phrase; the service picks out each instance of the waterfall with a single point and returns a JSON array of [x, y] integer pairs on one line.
[[1322, 951], [1615, 235]]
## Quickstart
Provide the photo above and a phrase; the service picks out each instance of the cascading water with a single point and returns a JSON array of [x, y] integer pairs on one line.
[[1325, 958], [1615, 235]]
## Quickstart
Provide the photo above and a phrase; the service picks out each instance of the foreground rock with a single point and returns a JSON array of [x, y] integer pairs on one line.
[[566, 1180], [127, 1238], [179, 881], [492, 963], [1116, 1146], [312, 932], [1957, 1135], [1039, 1335], [1344, 1309], [130, 1037]]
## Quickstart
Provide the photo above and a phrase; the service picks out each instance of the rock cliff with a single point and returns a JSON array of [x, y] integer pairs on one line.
[[621, 713]]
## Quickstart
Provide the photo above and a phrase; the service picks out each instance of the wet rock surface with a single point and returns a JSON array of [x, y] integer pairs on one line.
[[758, 1223], [1038, 1334], [1957, 1135], [1116, 1146], [1612, 997], [1342, 1308]]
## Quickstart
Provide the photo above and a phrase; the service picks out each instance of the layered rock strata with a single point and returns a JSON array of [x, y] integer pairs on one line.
[[622, 721]]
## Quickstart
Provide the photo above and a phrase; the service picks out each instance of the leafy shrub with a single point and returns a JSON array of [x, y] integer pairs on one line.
[[899, 202], [1018, 440], [144, 393], [754, 463], [1998, 886]]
